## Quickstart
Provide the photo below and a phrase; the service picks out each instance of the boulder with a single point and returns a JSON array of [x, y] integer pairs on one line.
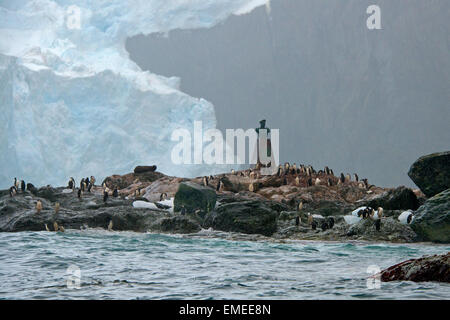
[[431, 173], [432, 220], [194, 197], [48, 193], [432, 268], [252, 217], [143, 169], [176, 224], [391, 230], [401, 198]]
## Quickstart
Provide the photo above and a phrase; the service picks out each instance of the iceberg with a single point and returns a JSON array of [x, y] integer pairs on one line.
[[74, 104]]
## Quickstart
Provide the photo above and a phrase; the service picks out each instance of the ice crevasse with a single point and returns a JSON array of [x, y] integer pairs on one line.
[[73, 103]]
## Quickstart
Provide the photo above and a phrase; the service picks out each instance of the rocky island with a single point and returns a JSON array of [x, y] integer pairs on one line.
[[296, 203]]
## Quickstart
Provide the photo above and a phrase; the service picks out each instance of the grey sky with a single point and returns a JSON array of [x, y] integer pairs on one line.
[[357, 100]]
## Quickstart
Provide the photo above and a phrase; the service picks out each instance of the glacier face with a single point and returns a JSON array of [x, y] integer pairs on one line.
[[74, 104]]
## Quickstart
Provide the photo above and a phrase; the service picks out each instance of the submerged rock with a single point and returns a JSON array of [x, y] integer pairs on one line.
[[431, 173], [433, 268], [246, 217], [432, 219]]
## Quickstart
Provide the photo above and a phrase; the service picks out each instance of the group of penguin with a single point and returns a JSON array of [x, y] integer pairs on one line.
[[326, 174], [326, 224], [19, 185]]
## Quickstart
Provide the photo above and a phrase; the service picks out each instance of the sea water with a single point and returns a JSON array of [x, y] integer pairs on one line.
[[96, 264]]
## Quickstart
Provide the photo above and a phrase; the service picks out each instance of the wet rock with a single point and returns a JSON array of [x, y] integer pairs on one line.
[[390, 230], [251, 217], [432, 268], [176, 224], [431, 173], [194, 197], [432, 220]]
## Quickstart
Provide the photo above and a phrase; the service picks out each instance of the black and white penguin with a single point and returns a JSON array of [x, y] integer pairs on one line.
[[342, 178], [324, 226], [330, 222], [329, 182], [30, 187], [15, 183], [89, 187], [115, 193], [205, 181], [93, 180], [409, 219], [218, 185], [87, 181], [105, 196], [285, 181], [366, 183], [356, 177], [163, 196], [378, 224], [22, 185], [79, 193], [309, 182], [12, 191]]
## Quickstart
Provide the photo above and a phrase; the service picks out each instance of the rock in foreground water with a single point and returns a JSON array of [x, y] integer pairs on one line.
[[433, 268]]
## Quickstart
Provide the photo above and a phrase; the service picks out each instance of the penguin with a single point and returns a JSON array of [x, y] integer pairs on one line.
[[55, 226], [329, 182], [105, 196], [163, 196], [57, 206], [324, 226], [317, 182], [342, 178], [12, 191], [61, 228], [330, 222], [22, 185], [331, 172], [110, 225], [327, 170], [356, 177], [297, 220], [310, 218], [300, 206], [409, 219], [280, 170], [285, 181], [15, 182], [314, 225], [38, 206], [93, 180], [79, 193], [378, 224], [297, 181], [87, 181], [366, 183], [89, 187], [348, 177], [309, 182], [380, 212], [70, 184], [205, 181], [233, 171], [115, 193], [252, 175], [46, 227], [251, 187], [218, 185]]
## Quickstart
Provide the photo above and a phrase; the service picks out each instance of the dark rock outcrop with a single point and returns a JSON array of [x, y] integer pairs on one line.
[[247, 217], [432, 219], [194, 197], [177, 224], [432, 268], [401, 198], [431, 173], [390, 230]]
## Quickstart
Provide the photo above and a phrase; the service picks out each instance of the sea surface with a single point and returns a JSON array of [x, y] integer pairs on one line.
[[96, 264]]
